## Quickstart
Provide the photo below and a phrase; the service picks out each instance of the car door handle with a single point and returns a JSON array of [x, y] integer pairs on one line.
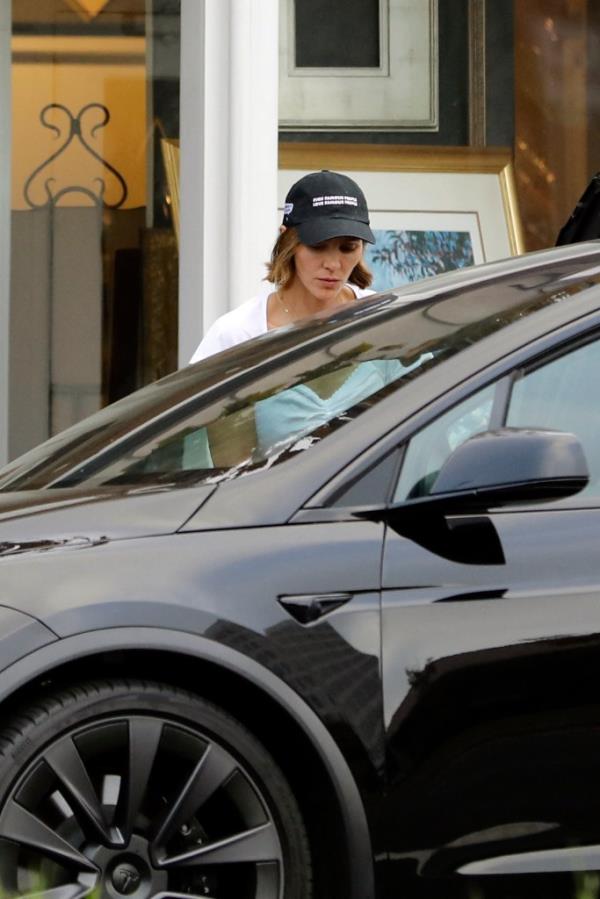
[[307, 608]]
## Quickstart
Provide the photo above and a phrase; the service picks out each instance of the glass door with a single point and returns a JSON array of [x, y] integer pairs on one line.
[[93, 294]]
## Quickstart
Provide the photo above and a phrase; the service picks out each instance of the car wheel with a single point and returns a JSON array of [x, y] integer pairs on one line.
[[131, 788]]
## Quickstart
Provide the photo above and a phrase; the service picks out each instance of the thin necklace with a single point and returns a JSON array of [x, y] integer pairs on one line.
[[281, 300]]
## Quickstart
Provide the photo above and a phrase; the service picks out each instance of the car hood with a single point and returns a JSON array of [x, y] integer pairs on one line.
[[42, 519]]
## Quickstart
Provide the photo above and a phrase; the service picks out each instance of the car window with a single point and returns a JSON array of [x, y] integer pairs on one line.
[[563, 395], [251, 434], [217, 400], [429, 448], [560, 395]]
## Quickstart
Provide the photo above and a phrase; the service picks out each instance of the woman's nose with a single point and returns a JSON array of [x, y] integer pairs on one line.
[[332, 261]]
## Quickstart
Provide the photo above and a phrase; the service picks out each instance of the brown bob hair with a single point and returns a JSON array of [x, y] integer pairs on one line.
[[281, 267]]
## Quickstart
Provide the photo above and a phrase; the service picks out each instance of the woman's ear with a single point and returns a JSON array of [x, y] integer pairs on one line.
[[282, 229]]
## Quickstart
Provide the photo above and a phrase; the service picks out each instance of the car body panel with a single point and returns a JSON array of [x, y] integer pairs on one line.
[[477, 661], [29, 516], [233, 603], [20, 635]]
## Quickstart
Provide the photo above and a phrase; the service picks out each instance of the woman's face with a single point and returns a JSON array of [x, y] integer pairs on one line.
[[324, 269]]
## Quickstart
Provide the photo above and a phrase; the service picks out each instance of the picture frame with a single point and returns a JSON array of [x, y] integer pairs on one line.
[[399, 94], [170, 153], [431, 208]]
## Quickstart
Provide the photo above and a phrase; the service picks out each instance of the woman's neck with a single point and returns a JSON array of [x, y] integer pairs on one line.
[[297, 302]]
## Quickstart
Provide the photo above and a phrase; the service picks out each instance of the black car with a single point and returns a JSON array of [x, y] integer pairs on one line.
[[320, 615]]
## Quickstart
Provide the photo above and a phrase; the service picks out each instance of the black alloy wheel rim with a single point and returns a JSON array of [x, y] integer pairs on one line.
[[138, 806]]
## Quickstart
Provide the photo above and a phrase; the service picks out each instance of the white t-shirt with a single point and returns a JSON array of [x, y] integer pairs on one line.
[[246, 321]]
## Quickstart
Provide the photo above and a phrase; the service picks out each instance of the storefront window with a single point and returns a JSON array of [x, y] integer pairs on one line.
[[95, 111], [516, 78]]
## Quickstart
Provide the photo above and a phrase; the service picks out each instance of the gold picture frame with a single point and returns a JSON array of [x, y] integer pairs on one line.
[[170, 152], [429, 181]]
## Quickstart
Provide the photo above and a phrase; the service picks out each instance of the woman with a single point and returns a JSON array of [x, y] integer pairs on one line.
[[316, 263]]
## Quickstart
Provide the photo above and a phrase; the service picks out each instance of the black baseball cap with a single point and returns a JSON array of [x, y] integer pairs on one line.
[[327, 204]]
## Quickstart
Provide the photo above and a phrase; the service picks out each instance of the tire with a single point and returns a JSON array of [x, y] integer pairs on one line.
[[133, 788]]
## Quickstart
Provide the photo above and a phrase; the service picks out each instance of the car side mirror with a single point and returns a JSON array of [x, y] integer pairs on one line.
[[495, 468], [513, 465]]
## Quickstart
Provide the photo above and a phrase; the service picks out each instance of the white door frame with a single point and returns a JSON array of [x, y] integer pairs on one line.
[[228, 109], [5, 203]]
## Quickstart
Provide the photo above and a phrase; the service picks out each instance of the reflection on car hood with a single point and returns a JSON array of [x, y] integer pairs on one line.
[[46, 519]]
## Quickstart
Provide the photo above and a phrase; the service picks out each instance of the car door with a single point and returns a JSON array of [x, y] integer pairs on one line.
[[490, 665]]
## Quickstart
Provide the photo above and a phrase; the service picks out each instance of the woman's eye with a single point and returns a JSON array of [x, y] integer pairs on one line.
[[349, 247]]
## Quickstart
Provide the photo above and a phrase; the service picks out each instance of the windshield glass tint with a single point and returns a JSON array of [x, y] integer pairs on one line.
[[260, 403], [253, 430]]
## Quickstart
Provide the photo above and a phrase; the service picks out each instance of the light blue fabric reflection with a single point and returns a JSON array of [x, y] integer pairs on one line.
[[299, 410], [196, 451]]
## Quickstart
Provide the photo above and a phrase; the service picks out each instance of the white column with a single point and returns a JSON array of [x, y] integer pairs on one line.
[[5, 184], [229, 90]]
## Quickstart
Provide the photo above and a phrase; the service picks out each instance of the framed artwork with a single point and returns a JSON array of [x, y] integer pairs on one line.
[[170, 154], [413, 245], [432, 209], [368, 66]]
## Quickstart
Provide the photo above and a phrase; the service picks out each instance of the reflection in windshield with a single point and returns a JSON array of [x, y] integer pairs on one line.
[[259, 403], [259, 434], [306, 407]]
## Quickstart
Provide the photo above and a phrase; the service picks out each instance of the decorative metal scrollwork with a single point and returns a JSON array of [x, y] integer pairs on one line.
[[75, 131]]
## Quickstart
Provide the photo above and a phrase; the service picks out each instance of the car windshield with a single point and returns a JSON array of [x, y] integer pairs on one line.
[[267, 400]]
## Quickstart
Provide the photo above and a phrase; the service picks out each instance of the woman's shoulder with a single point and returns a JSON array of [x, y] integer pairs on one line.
[[360, 292], [245, 321], [247, 315]]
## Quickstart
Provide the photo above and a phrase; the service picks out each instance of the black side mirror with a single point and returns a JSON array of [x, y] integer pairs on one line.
[[514, 465], [495, 468]]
